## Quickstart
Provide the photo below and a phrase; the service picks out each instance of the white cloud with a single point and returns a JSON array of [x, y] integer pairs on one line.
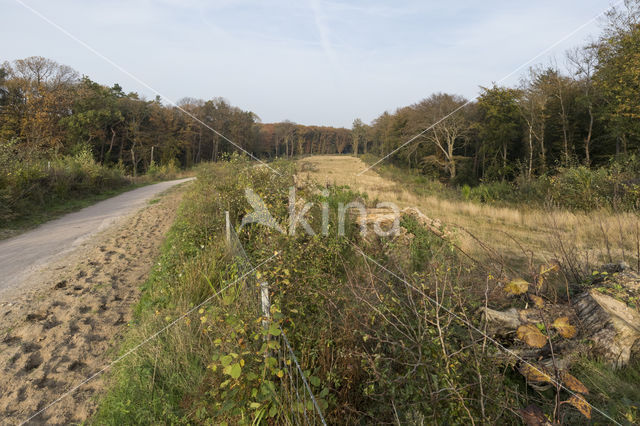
[[323, 62]]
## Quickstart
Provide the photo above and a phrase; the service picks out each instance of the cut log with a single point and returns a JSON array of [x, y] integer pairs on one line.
[[612, 327], [432, 224], [502, 322]]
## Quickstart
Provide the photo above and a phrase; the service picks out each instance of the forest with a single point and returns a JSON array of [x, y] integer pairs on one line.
[[585, 113], [577, 114], [48, 110]]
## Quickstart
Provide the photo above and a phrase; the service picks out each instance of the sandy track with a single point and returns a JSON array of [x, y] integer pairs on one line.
[[66, 326], [24, 254]]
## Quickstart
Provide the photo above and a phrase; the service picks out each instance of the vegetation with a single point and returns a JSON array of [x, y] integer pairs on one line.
[[551, 122], [578, 188], [384, 328], [63, 138], [34, 189], [569, 139], [47, 110]]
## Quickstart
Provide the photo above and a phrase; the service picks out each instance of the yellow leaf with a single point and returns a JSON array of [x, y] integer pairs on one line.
[[572, 383], [565, 329], [581, 404], [517, 286], [539, 282], [530, 334], [537, 300], [545, 269], [535, 374]]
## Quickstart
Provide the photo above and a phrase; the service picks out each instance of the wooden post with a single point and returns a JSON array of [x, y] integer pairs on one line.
[[265, 302]]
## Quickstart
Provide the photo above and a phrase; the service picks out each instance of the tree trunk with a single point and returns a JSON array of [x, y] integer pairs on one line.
[[504, 158], [587, 141], [199, 145], [133, 160], [530, 152], [113, 138], [543, 156], [612, 327]]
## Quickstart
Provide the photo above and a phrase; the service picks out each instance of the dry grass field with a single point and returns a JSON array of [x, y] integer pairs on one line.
[[515, 235]]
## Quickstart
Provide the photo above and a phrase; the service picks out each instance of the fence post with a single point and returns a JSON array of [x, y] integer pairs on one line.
[[265, 302], [228, 228]]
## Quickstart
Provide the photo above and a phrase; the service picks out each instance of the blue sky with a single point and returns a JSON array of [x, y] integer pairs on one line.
[[309, 61]]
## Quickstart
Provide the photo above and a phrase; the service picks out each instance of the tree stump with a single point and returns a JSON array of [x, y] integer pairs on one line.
[[612, 327]]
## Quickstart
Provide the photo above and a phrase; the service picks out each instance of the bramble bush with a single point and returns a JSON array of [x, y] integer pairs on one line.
[[372, 349]]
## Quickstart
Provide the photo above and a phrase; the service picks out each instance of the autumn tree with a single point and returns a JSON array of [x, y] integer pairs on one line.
[[500, 126], [358, 135], [616, 76], [43, 94], [447, 135]]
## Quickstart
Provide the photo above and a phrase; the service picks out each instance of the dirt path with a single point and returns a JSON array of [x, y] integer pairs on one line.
[[65, 327], [24, 254]]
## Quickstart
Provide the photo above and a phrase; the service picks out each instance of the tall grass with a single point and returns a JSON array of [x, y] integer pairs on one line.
[[600, 233], [368, 344], [380, 326], [31, 185]]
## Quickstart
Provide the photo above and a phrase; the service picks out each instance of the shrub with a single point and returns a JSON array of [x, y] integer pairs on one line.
[[366, 341], [32, 185]]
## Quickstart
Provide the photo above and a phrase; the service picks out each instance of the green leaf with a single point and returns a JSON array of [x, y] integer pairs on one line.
[[274, 331], [226, 360], [236, 370], [273, 411], [314, 381]]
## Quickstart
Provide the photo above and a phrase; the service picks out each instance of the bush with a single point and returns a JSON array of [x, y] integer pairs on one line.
[[616, 187], [364, 339], [167, 171], [32, 185]]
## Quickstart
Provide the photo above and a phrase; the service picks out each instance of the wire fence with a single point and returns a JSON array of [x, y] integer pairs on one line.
[[295, 396]]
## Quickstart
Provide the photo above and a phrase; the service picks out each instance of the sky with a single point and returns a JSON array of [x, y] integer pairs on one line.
[[309, 61]]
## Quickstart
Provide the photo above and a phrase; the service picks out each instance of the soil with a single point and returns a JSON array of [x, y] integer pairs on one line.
[[67, 324]]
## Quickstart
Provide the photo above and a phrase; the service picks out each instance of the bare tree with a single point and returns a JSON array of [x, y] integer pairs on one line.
[[583, 62], [449, 134]]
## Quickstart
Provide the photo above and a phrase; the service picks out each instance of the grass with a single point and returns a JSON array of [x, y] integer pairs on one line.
[[520, 236], [599, 236], [55, 209], [171, 380], [375, 348], [181, 376]]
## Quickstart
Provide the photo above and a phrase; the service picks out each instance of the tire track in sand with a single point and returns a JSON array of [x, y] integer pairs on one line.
[[65, 327]]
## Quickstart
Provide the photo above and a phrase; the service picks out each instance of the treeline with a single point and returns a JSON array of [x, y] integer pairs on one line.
[[584, 115], [553, 119], [47, 110]]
